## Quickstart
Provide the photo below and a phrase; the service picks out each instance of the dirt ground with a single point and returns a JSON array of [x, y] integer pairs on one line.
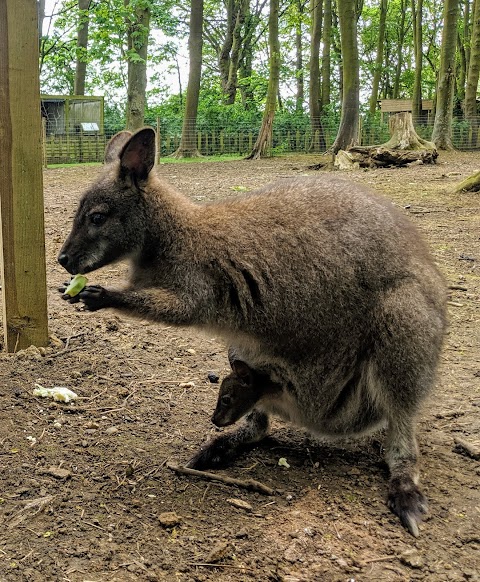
[[85, 493]]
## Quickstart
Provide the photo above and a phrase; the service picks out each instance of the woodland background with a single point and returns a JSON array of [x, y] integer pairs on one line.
[[318, 66]]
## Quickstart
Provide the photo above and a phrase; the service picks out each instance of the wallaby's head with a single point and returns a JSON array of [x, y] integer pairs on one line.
[[238, 394], [110, 221]]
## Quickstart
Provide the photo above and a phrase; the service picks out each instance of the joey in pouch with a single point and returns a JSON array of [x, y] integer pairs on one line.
[[323, 288]]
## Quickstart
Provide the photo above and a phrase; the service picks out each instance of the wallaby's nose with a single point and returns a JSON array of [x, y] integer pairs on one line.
[[63, 259]]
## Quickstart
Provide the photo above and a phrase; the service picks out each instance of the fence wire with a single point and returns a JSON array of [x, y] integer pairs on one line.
[[296, 136]]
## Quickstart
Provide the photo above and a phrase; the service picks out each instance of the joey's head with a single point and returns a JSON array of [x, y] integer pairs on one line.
[[238, 394], [109, 224]]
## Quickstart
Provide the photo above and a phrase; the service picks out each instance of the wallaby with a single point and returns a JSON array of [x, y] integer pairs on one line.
[[316, 282], [241, 391]]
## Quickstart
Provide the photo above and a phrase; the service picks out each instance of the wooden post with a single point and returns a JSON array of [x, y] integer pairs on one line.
[[21, 187], [44, 142], [159, 141]]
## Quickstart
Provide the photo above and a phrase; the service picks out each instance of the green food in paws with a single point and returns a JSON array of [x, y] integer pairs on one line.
[[76, 285]]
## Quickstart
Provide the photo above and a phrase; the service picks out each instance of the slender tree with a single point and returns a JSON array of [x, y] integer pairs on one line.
[[417, 10], [474, 66], [379, 58], [442, 128], [401, 35], [41, 18], [138, 25], [348, 131], [314, 85], [188, 146], [237, 40], [81, 49], [299, 71], [326, 56], [463, 46], [265, 134]]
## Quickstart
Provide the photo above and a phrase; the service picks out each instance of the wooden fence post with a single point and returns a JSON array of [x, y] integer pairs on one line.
[[21, 187], [159, 141]]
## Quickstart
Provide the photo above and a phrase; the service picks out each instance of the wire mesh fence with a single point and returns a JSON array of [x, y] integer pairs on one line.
[[297, 136]]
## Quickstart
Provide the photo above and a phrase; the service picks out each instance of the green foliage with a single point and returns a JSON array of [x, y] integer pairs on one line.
[[107, 56]]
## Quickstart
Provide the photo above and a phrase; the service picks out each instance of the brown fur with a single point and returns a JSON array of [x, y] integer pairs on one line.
[[319, 284], [240, 392]]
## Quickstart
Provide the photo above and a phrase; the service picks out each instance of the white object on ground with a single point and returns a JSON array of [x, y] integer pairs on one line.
[[58, 393]]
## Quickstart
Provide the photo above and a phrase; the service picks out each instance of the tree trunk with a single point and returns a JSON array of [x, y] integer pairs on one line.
[[326, 56], [442, 128], [232, 80], [400, 49], [82, 44], [138, 23], [379, 59], [300, 93], [403, 147], [246, 58], [348, 130], [265, 134], [316, 144], [463, 43], [474, 67], [224, 56], [41, 18], [188, 143], [417, 7]]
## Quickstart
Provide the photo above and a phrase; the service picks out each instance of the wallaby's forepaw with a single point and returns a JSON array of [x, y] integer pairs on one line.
[[216, 453], [94, 297], [407, 501]]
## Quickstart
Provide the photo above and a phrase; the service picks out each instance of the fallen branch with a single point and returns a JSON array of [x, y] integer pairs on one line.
[[250, 484], [37, 505], [464, 447], [219, 565]]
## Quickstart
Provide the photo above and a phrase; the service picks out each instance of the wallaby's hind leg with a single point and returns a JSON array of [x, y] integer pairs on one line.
[[407, 350], [224, 448], [404, 496]]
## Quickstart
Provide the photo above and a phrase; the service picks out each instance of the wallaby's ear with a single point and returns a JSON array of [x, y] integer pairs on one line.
[[243, 371], [115, 146], [138, 154]]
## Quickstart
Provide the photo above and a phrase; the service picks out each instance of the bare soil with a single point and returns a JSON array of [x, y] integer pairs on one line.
[[85, 490]]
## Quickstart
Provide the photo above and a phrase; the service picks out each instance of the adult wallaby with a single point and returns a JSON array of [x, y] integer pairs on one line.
[[241, 391], [316, 282]]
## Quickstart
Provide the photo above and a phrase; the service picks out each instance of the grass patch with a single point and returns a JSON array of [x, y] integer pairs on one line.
[[202, 160], [165, 160], [73, 165]]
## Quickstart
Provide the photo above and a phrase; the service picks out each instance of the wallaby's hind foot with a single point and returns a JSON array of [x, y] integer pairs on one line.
[[407, 501], [405, 498], [225, 448]]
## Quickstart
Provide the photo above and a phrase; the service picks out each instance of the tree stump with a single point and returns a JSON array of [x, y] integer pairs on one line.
[[404, 147]]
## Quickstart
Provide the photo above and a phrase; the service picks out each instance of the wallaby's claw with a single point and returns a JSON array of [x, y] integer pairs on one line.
[[214, 454], [94, 297], [407, 501], [65, 296]]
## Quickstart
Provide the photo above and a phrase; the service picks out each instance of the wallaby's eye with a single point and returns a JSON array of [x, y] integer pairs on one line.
[[226, 400], [97, 218]]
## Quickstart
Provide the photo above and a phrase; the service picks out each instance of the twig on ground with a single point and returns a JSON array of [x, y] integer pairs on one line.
[[470, 449], [66, 350], [37, 505], [217, 565], [250, 484], [382, 559]]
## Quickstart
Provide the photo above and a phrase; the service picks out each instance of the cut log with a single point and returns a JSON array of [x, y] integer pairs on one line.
[[404, 147]]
